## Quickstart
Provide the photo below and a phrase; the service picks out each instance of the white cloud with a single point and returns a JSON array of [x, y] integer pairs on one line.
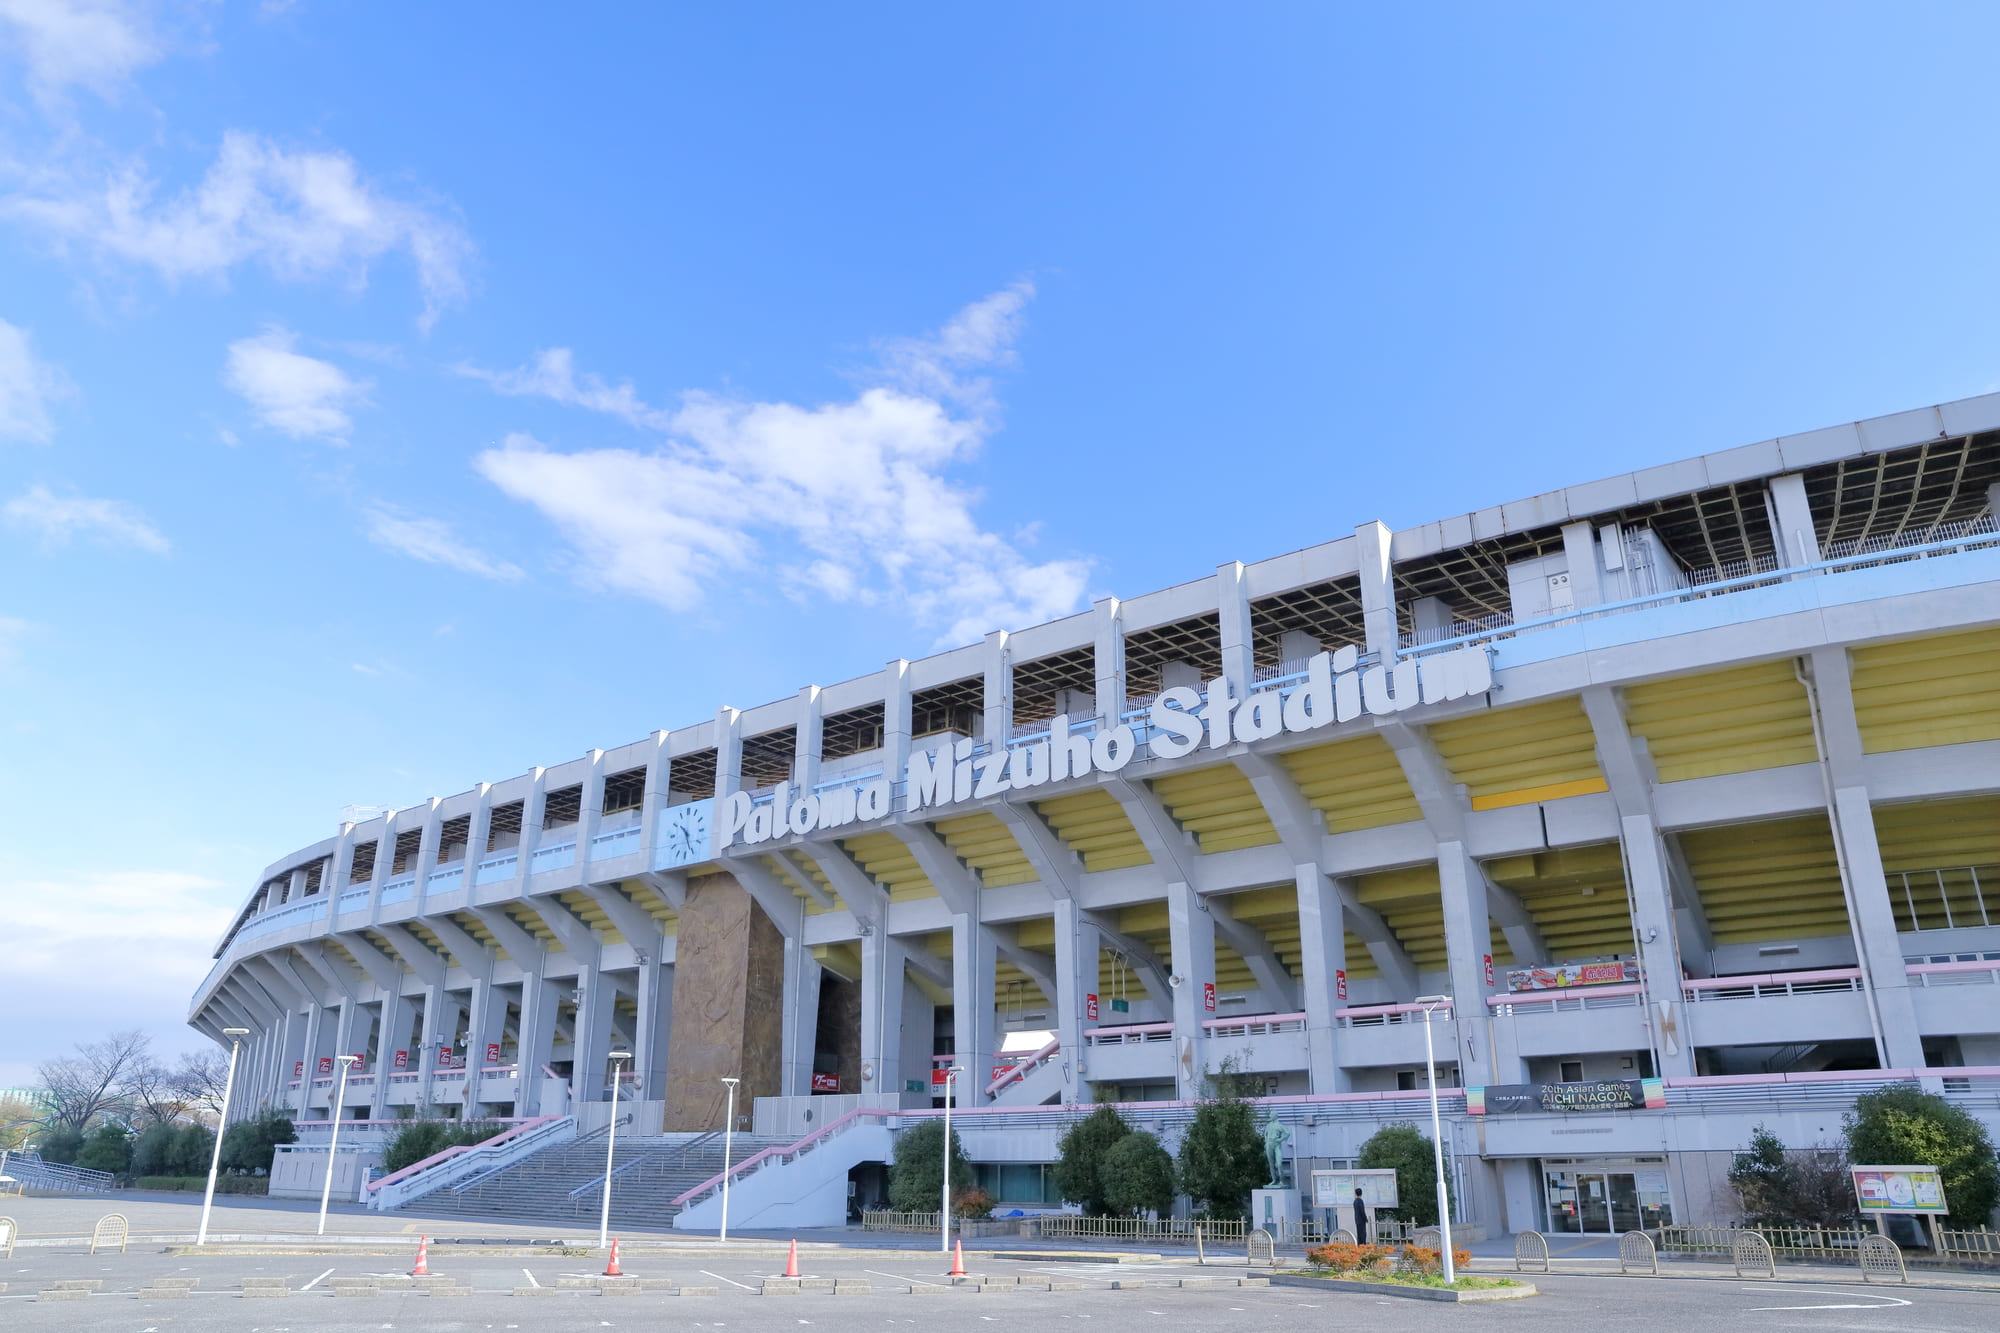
[[57, 519], [848, 501], [432, 540], [27, 387], [302, 215], [95, 44], [294, 393], [553, 375]]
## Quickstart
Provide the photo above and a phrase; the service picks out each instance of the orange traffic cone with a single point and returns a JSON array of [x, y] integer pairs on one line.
[[423, 1268], [611, 1269], [792, 1263], [957, 1260]]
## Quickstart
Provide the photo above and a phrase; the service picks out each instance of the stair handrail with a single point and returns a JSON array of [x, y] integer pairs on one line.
[[673, 1151], [1015, 1073], [471, 1181], [779, 1153], [453, 1164], [28, 1169]]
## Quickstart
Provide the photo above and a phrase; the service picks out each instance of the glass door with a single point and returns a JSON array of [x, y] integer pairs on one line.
[[1593, 1203], [1624, 1202]]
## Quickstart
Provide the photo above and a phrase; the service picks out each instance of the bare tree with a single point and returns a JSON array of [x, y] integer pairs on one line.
[[200, 1080], [19, 1119], [151, 1092], [86, 1086]]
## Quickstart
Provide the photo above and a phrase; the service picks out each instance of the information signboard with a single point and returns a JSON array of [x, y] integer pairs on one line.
[[1623, 1094], [1335, 1189], [1899, 1189]]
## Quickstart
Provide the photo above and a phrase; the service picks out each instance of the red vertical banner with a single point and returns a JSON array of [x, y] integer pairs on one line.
[[326, 1064], [360, 1063], [1489, 969], [402, 1059], [492, 1052], [298, 1069], [1208, 996], [1340, 984], [444, 1055], [1090, 1007]]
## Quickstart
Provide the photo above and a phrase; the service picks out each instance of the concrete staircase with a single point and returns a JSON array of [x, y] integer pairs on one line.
[[563, 1183]]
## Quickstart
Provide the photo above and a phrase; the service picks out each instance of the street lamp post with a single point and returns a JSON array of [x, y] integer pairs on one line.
[[728, 1133], [1431, 1002], [347, 1062], [610, 1142], [236, 1036], [944, 1214]]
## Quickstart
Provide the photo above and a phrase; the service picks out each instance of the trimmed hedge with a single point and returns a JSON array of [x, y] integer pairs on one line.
[[197, 1184]]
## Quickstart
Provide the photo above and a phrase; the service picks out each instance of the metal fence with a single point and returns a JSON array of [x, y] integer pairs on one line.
[[1842, 1243]]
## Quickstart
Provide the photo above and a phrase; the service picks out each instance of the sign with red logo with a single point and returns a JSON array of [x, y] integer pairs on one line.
[[1489, 968], [940, 1076], [1208, 996], [492, 1052], [402, 1059], [999, 1070], [1090, 1007], [326, 1064], [359, 1062], [826, 1083], [298, 1069], [1340, 984], [444, 1055]]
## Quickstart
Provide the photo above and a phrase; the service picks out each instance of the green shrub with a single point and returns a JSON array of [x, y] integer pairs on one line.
[[249, 1145], [1222, 1158], [198, 1184], [61, 1145], [916, 1179], [109, 1148], [427, 1138], [1138, 1176], [1404, 1148], [1079, 1170], [1906, 1126]]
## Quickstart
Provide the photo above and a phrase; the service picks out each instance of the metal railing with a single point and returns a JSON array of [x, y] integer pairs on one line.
[[1382, 1015], [1015, 1073], [665, 1159], [1815, 1242], [1765, 985], [455, 1165], [30, 1171], [1568, 1000], [1133, 1035], [1254, 1025], [1944, 898], [1984, 972]]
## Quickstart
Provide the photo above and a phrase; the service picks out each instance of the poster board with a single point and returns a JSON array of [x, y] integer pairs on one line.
[[1335, 1189], [1899, 1189]]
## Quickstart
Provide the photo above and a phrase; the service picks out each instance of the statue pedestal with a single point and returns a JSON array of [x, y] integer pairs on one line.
[[1274, 1211]]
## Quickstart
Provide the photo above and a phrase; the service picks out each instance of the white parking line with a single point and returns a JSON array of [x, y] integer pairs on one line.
[[730, 1280], [1876, 1300], [323, 1276], [531, 1276]]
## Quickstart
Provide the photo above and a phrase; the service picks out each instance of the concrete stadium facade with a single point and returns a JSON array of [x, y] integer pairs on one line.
[[1681, 784]]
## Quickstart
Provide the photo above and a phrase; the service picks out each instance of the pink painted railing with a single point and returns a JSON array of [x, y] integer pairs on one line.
[[1765, 985], [459, 1150], [1254, 1024], [1377, 1015], [1836, 1076], [1568, 997], [1015, 1073], [1130, 1035], [1925, 971]]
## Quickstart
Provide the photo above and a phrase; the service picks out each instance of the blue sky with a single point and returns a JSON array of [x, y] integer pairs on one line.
[[392, 398]]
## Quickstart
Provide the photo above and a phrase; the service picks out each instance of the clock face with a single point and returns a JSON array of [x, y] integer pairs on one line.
[[684, 834]]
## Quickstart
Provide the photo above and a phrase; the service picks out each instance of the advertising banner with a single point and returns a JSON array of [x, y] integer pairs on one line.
[[1560, 976], [1899, 1189], [1208, 996], [1624, 1094], [402, 1059], [1090, 1007], [826, 1083], [492, 1052], [326, 1064]]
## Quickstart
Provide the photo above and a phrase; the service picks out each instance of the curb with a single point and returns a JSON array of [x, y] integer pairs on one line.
[[1407, 1293]]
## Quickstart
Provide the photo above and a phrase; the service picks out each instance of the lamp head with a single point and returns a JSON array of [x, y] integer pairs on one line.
[[236, 1032], [731, 1082], [621, 1055], [350, 1060]]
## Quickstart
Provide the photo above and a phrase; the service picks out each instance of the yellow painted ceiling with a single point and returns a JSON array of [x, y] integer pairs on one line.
[[476, 928], [1409, 902], [987, 845], [1095, 827], [1576, 897], [1517, 756], [1942, 861], [1724, 721], [653, 905], [1218, 806], [1773, 880], [1921, 692], [583, 905], [1354, 784], [888, 860]]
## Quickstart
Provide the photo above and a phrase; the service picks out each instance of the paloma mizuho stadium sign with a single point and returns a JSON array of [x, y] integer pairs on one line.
[[1179, 721]]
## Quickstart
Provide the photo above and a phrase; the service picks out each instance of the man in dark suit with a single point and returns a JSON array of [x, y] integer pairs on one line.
[[1360, 1218]]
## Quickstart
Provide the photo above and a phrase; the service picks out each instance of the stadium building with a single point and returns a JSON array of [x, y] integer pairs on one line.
[[1681, 785]]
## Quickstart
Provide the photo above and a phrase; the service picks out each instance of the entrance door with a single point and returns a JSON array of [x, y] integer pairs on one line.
[[1624, 1202], [1593, 1203]]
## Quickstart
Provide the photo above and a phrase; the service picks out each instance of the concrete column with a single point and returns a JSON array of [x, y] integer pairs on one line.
[[590, 809], [1378, 589], [882, 984], [1875, 928], [308, 1053], [427, 853], [1232, 604], [974, 962], [1797, 539], [485, 1021], [431, 1034], [534, 808], [656, 1025], [809, 741], [393, 1034], [1192, 931], [1586, 579], [896, 723], [1323, 975], [1659, 946], [537, 1039], [591, 1044], [350, 1031], [999, 694], [802, 972], [1109, 653], [659, 776], [1078, 950], [1468, 939], [728, 752]]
